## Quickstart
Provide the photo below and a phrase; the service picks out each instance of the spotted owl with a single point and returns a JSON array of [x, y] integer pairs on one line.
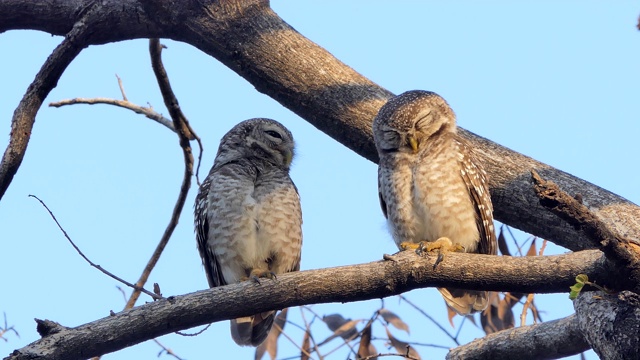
[[247, 215], [430, 184]]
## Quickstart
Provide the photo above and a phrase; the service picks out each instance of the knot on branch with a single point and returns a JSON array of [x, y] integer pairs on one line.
[[48, 327]]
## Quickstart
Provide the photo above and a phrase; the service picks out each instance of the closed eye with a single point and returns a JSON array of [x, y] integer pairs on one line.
[[273, 134]]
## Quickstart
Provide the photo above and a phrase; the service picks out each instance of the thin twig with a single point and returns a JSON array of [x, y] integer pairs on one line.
[[184, 132], [166, 350], [124, 96], [195, 333], [455, 340], [104, 271], [146, 111]]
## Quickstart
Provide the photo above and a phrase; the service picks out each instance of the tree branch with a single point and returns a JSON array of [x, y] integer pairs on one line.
[[47, 78], [378, 279], [623, 253], [610, 323], [549, 340]]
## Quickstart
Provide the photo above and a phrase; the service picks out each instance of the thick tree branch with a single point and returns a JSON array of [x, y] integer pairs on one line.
[[549, 340], [623, 253], [248, 37], [342, 284], [610, 323]]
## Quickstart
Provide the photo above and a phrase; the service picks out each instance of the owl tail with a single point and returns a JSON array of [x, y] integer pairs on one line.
[[465, 302], [252, 330]]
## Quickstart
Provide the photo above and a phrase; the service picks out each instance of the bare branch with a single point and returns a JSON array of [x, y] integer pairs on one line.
[[342, 284], [184, 132], [548, 340], [146, 111], [610, 323], [47, 78], [103, 270]]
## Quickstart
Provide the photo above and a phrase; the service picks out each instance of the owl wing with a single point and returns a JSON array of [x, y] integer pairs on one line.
[[383, 203], [475, 179], [220, 217], [209, 260]]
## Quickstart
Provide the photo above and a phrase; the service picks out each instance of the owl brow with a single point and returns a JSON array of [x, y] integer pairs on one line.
[[423, 117]]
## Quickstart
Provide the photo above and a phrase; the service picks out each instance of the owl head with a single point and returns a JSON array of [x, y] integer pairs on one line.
[[260, 138], [408, 121]]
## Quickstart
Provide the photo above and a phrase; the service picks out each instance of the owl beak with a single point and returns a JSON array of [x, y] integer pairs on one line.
[[413, 142]]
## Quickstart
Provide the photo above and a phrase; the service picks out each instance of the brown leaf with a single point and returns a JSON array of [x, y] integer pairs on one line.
[[532, 249], [345, 328], [402, 347], [364, 349], [502, 243], [451, 314], [497, 316], [394, 320], [306, 346], [270, 344]]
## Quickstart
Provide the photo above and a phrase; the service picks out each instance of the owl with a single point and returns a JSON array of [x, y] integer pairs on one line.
[[247, 215], [432, 190]]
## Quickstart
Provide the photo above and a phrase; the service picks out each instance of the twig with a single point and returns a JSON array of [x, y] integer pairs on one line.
[[166, 350], [6, 328], [104, 271], [184, 133], [455, 340], [124, 96], [195, 333], [146, 111]]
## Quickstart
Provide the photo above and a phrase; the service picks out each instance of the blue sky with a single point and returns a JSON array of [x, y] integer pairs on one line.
[[557, 81]]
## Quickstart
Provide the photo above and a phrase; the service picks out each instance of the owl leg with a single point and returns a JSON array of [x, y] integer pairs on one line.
[[257, 274], [443, 245]]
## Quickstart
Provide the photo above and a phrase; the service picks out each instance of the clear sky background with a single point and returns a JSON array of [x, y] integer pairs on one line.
[[557, 81]]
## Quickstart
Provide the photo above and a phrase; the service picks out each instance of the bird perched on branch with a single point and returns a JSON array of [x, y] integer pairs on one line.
[[247, 215], [432, 190]]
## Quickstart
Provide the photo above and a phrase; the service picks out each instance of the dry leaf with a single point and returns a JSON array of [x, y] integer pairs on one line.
[[402, 347], [364, 349], [502, 243], [450, 314], [498, 316], [345, 328], [394, 320], [270, 344], [532, 249]]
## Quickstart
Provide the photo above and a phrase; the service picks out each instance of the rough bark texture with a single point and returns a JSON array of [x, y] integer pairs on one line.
[[549, 340], [610, 323], [342, 284], [248, 37]]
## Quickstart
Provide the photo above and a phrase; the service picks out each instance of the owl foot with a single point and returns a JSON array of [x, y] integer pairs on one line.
[[408, 245], [256, 275], [443, 245]]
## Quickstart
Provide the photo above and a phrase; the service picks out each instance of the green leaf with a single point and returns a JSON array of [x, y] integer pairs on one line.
[[582, 278]]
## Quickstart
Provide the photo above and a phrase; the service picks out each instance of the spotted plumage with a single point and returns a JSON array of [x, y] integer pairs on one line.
[[430, 184], [247, 215]]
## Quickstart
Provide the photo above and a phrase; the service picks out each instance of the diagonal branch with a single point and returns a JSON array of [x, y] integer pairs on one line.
[[549, 340], [47, 78], [623, 253], [378, 279]]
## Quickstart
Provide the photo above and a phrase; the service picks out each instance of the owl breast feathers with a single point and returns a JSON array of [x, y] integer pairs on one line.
[[247, 215], [430, 184]]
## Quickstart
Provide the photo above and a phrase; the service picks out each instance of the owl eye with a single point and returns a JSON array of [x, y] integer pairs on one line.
[[273, 134]]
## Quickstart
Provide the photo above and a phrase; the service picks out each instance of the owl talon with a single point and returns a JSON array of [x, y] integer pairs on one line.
[[256, 275]]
